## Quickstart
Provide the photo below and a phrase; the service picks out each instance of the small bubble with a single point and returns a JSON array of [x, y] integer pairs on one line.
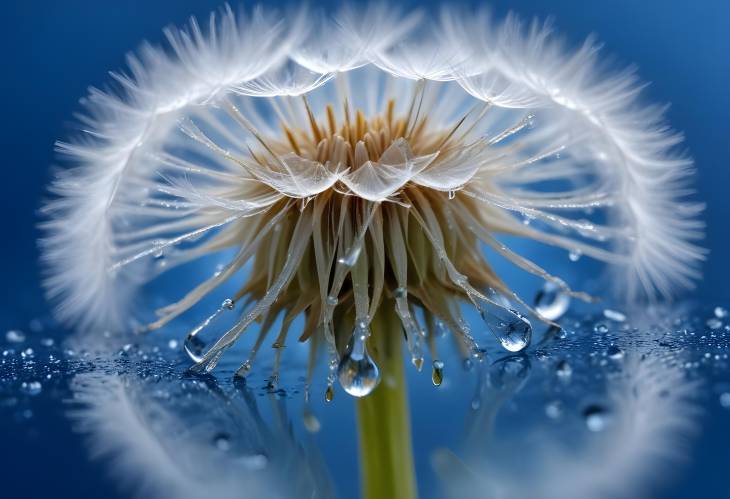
[[15, 336], [173, 344]]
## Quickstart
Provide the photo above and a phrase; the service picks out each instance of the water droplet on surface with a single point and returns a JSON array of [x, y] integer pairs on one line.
[[437, 373], [511, 328], [600, 328], [615, 352], [614, 315], [15, 336], [357, 372], [720, 312], [47, 342], [563, 370], [509, 374], [31, 387], [551, 301], [172, 344], [596, 417]]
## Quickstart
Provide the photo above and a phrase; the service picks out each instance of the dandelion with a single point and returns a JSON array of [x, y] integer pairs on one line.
[[360, 163]]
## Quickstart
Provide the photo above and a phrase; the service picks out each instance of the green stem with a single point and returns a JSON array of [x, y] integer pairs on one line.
[[386, 453]]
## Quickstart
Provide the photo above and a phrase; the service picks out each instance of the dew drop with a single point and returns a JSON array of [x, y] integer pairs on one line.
[[357, 372], [228, 304], [551, 302], [511, 328], [563, 370], [417, 362], [332, 300], [720, 312], [437, 373], [47, 342], [596, 417], [172, 344], [329, 394], [714, 323], [15, 336], [574, 255]]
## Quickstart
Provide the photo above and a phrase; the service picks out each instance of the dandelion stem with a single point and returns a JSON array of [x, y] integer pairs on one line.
[[386, 452]]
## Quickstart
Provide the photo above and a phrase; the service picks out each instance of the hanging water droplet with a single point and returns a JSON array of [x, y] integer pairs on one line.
[[614, 315], [417, 362], [329, 394], [551, 301], [563, 370], [357, 372], [437, 374], [15, 336], [574, 255], [596, 417], [511, 328], [228, 304]]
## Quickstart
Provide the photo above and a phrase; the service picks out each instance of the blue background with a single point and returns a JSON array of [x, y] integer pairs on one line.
[[52, 51]]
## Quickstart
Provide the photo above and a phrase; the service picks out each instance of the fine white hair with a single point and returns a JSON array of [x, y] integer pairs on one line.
[[588, 124]]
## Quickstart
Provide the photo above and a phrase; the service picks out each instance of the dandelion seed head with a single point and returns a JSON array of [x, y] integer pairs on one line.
[[359, 161]]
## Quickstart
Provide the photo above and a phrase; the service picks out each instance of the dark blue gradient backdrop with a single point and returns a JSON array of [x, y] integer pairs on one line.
[[52, 51]]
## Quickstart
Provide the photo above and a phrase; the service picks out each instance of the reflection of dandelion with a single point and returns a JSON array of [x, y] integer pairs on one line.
[[360, 164]]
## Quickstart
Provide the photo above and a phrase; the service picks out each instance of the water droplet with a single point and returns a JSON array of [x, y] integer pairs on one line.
[[31, 387], [172, 344], [329, 394], [600, 328], [596, 417], [563, 370], [725, 400], [614, 315], [15, 336], [509, 374], [437, 374], [720, 312], [332, 300], [551, 301], [574, 255], [222, 442], [418, 362], [228, 304], [615, 352], [554, 409], [357, 372], [400, 292]]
